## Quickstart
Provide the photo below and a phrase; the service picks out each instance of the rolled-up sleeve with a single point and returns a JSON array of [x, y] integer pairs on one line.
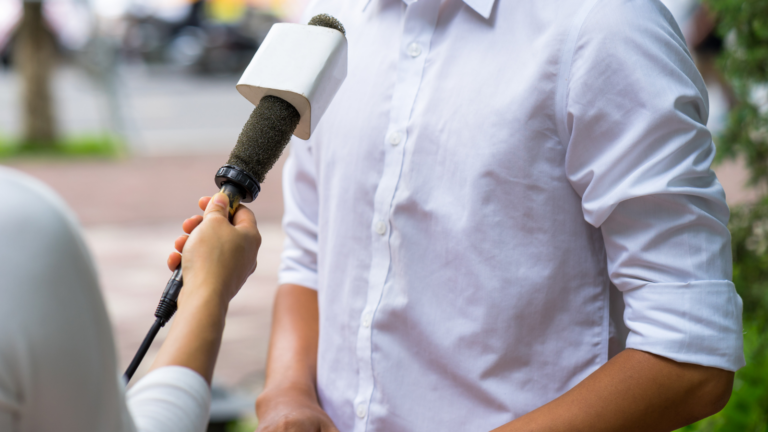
[[639, 155], [171, 398], [299, 259]]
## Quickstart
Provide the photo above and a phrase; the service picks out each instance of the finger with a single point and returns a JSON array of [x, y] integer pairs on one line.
[[218, 206], [180, 242], [191, 223], [174, 259], [244, 217], [203, 202], [245, 221]]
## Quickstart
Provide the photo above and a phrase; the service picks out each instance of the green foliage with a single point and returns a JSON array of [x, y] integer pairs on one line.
[[749, 242], [744, 25], [74, 146]]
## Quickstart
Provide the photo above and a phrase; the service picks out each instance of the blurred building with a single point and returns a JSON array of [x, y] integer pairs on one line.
[[205, 35]]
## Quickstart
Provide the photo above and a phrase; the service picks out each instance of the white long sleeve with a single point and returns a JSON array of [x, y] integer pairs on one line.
[[168, 399], [648, 184], [58, 368]]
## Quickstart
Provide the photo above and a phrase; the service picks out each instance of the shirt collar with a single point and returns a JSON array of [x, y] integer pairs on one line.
[[483, 7]]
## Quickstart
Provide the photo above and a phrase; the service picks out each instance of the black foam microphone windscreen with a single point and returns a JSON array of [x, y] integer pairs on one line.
[[325, 20], [264, 137]]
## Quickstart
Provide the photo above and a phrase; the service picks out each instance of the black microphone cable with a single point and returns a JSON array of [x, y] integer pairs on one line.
[[164, 312]]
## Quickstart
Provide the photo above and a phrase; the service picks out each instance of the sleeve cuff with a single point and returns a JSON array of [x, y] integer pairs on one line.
[[695, 322], [170, 398], [296, 278]]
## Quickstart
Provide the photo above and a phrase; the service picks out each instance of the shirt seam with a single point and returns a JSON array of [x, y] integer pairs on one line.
[[563, 76]]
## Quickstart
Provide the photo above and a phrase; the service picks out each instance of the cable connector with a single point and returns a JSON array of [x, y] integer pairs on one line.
[[167, 306], [164, 312]]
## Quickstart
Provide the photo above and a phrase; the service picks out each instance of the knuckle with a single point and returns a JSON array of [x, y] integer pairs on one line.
[[286, 422]]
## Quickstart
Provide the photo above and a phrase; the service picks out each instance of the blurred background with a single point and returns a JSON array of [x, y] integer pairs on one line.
[[105, 99]]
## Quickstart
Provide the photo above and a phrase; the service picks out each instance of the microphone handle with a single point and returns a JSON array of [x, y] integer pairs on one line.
[[167, 306]]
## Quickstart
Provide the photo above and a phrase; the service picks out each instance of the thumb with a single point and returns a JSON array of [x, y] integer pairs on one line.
[[218, 206]]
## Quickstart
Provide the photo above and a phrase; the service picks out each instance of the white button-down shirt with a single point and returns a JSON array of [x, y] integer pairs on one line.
[[486, 174]]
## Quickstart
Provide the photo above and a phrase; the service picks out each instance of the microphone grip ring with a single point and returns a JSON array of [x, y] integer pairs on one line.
[[249, 187]]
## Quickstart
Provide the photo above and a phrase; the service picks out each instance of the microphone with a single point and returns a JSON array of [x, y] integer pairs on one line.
[[295, 73], [271, 124]]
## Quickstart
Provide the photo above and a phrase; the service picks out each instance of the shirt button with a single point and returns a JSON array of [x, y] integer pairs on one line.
[[414, 50], [380, 228], [395, 138], [367, 320], [360, 411]]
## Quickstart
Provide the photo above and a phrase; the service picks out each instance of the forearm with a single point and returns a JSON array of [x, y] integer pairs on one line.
[[195, 335], [289, 400], [634, 391], [292, 358]]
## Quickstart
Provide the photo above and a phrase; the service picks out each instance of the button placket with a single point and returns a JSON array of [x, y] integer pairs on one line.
[[418, 27]]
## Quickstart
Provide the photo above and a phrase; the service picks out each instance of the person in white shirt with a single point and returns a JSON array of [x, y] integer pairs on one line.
[[58, 368], [507, 219]]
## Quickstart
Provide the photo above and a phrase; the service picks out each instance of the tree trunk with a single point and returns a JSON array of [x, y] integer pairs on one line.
[[35, 56]]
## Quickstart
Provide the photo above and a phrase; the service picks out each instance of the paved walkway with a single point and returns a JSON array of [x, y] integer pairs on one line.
[[131, 263], [145, 190]]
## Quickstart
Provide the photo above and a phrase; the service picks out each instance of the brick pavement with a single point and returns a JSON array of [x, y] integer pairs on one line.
[[132, 272], [144, 189]]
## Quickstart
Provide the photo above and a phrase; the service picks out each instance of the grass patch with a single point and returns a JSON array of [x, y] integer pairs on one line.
[[86, 145], [248, 425]]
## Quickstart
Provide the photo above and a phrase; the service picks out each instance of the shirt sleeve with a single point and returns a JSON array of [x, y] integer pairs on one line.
[[299, 259], [639, 155], [171, 398]]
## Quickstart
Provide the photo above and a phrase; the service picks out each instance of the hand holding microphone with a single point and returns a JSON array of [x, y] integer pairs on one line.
[[219, 254], [218, 258]]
